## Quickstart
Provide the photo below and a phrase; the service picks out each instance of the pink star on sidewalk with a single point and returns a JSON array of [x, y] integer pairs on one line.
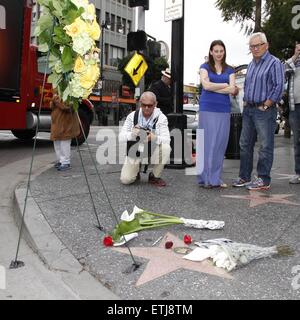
[[259, 198], [164, 261]]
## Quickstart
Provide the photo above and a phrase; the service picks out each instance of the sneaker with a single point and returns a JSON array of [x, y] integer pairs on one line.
[[156, 181], [258, 184], [57, 164], [239, 182], [64, 167], [295, 179]]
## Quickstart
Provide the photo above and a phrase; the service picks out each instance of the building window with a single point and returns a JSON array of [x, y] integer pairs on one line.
[[124, 25], [98, 15], [129, 24], [106, 48], [113, 23], [116, 55]]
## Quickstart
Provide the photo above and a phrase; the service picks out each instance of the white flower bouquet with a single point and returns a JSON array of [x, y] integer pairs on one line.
[[229, 255], [67, 30]]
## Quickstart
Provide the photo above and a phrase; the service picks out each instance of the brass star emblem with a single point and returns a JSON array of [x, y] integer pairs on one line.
[[259, 198], [164, 261], [284, 176]]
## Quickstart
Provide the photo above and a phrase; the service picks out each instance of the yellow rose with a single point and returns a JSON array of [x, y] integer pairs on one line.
[[76, 28], [94, 30], [79, 65], [90, 76], [91, 10]]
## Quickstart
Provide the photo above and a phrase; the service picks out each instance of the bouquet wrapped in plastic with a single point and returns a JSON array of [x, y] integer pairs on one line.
[[230, 255]]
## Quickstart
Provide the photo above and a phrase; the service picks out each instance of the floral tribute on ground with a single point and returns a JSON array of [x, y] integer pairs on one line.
[[67, 30], [141, 219], [230, 255]]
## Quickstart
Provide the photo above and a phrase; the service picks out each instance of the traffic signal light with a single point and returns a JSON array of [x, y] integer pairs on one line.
[[153, 49], [139, 3], [136, 40]]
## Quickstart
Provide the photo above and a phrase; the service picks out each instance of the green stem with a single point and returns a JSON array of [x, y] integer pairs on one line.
[[158, 221], [149, 227], [160, 215]]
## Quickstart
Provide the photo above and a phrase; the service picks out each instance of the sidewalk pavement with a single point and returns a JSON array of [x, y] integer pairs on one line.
[[61, 216], [57, 277]]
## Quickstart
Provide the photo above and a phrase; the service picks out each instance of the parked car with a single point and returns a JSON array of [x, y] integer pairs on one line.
[[192, 113]]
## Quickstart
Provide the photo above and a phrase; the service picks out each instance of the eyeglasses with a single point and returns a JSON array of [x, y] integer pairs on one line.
[[256, 46], [149, 106]]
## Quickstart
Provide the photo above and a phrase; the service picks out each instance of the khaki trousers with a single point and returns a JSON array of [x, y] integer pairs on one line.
[[159, 158]]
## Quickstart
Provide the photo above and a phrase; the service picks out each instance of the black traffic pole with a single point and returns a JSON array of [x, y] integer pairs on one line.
[[103, 27], [177, 62], [180, 157]]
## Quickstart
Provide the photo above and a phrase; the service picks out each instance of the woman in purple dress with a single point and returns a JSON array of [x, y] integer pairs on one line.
[[218, 81]]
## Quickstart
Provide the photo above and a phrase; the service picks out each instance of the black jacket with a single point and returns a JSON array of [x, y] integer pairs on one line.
[[163, 96]]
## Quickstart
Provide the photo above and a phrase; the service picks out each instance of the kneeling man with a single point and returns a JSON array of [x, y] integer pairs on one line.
[[148, 141]]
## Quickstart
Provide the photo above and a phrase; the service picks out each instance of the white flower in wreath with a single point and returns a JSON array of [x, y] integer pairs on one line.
[[82, 43], [76, 90], [80, 3], [89, 12]]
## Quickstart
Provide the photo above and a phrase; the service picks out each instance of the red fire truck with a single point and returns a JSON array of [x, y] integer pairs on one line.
[[22, 71]]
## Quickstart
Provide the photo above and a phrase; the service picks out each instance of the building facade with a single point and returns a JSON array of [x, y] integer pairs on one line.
[[119, 19]]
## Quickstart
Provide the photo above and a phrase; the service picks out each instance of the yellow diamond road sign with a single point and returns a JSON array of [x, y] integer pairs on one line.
[[136, 68]]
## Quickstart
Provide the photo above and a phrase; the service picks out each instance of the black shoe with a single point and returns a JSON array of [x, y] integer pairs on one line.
[[57, 164], [64, 167], [156, 181]]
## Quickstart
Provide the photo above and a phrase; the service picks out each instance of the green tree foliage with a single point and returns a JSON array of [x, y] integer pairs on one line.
[[278, 28], [273, 17], [243, 12]]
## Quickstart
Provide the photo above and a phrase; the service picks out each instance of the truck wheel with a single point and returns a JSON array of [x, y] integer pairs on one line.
[[85, 122], [24, 134]]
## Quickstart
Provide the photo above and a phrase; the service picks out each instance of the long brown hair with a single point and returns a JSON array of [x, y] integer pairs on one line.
[[211, 61]]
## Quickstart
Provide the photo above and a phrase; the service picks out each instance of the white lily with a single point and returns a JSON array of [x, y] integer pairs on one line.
[[125, 239]]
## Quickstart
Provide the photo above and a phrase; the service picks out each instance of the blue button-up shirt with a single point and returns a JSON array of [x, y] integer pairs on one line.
[[264, 80]]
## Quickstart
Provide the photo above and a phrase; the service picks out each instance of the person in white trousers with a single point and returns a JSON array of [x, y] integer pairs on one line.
[[64, 127], [150, 126]]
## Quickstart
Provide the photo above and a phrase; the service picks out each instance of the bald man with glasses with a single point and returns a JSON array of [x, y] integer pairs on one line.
[[148, 140], [264, 85]]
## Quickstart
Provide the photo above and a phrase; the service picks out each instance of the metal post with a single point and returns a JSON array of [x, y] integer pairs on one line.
[[178, 62], [178, 120], [103, 26], [141, 26]]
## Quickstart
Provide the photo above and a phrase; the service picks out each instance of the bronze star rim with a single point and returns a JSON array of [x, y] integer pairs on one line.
[[164, 261], [258, 198]]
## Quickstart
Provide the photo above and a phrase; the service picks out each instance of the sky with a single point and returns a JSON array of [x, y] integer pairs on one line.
[[203, 24]]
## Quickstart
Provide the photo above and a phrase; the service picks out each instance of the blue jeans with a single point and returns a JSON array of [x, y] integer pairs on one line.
[[294, 119], [257, 124]]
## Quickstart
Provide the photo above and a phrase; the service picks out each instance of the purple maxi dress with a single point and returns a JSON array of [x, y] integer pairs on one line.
[[214, 120]]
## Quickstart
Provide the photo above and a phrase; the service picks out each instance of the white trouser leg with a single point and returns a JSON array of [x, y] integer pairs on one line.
[[65, 148], [159, 158], [130, 170], [57, 150]]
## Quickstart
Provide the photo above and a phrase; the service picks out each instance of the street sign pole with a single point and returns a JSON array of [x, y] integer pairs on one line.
[[174, 11], [141, 26], [177, 62]]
